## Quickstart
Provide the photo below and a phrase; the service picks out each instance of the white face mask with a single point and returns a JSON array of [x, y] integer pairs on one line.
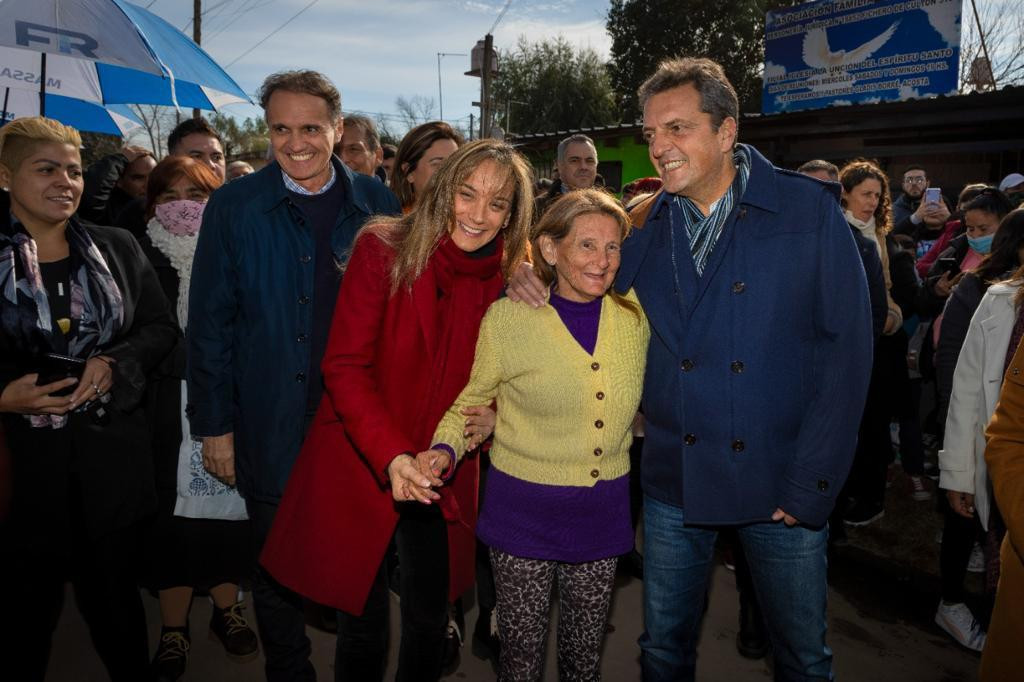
[[181, 217]]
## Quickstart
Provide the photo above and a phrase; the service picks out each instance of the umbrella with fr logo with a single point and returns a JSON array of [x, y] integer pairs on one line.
[[105, 52]]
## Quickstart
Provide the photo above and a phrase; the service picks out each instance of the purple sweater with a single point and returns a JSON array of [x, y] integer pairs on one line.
[[555, 522]]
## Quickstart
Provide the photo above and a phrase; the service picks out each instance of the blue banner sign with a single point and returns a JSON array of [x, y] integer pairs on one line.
[[841, 52]]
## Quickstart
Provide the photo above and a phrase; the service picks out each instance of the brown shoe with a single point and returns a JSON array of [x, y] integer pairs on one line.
[[230, 628]]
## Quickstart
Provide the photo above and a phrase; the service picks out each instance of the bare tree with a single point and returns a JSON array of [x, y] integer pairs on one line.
[[1002, 24], [157, 122], [415, 110]]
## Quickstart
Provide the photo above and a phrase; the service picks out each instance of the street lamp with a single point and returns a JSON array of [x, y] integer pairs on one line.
[[440, 96]]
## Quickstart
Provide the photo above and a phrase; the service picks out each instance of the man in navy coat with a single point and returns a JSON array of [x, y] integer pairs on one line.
[[264, 283], [756, 374], [756, 377]]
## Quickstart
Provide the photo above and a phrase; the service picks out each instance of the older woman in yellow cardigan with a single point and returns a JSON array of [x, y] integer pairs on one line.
[[567, 379], [1003, 657]]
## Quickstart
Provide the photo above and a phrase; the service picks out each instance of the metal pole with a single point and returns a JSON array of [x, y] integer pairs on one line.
[[7, 94], [197, 34], [440, 95], [471, 127], [42, 85]]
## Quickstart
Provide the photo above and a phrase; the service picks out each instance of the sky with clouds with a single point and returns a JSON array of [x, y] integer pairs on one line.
[[376, 51]]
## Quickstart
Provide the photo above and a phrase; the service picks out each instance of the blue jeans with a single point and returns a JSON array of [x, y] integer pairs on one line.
[[788, 567]]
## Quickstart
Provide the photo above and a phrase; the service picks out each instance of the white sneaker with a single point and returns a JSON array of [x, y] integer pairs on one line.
[[976, 564], [958, 621]]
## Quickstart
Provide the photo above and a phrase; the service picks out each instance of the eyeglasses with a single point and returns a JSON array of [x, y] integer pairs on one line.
[[915, 181]]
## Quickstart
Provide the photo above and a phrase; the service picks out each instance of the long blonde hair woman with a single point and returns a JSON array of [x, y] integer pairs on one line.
[[400, 350]]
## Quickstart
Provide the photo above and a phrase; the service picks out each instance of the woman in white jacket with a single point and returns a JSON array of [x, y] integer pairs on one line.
[[963, 474]]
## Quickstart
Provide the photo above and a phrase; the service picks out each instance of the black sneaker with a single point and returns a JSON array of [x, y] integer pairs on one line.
[[453, 638], [171, 657], [230, 628], [861, 513]]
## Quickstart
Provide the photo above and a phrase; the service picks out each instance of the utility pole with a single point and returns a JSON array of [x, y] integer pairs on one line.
[[470, 126], [485, 88], [984, 46], [197, 34]]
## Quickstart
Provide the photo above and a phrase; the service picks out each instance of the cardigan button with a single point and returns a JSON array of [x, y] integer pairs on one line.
[[736, 367], [689, 439], [599, 424], [594, 473], [303, 300], [822, 485], [686, 365], [301, 338], [598, 452], [1015, 371], [305, 258], [738, 287], [738, 446], [600, 395], [595, 366], [300, 377]]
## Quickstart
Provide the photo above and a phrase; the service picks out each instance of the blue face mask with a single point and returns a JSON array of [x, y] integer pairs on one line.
[[981, 245]]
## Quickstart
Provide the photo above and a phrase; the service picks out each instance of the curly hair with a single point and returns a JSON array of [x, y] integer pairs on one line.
[[856, 172]]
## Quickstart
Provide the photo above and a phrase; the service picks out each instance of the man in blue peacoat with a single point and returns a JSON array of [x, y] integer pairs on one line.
[[757, 372], [264, 283]]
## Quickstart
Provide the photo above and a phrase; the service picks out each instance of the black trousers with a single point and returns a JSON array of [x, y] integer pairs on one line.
[[102, 573], [280, 613], [361, 656]]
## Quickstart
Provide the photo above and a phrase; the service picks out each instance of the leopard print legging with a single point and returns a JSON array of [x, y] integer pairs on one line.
[[524, 605]]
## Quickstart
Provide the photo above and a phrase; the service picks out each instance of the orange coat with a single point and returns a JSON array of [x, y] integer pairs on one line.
[[1003, 657]]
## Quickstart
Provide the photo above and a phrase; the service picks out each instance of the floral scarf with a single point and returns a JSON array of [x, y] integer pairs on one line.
[[180, 249], [96, 301]]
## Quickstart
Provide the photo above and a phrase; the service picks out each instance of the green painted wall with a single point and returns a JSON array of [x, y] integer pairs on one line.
[[635, 161], [625, 150]]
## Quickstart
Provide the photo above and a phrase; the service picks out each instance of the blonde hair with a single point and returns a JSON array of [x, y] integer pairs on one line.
[[416, 235], [558, 221], [19, 138]]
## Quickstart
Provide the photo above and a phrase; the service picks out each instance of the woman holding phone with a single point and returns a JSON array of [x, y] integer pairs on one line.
[[82, 299]]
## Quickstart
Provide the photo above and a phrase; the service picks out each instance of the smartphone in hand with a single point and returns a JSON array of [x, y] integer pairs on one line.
[[933, 195], [55, 367]]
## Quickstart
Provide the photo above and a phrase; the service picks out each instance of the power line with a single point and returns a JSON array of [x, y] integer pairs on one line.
[[267, 37], [242, 11], [501, 14]]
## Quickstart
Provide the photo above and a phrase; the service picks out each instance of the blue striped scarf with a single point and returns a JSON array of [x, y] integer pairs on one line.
[[704, 231]]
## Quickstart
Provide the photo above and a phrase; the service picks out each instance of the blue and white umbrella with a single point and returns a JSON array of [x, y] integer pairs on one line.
[[107, 52], [113, 119]]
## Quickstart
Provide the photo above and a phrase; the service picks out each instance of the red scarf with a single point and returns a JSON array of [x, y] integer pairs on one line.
[[465, 287]]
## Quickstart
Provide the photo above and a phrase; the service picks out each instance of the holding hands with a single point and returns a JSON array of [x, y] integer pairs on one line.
[[413, 478]]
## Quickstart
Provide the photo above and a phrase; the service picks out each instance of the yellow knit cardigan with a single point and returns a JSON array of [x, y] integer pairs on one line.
[[563, 415]]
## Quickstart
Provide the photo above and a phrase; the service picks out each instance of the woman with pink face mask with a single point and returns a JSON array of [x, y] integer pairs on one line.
[[199, 538]]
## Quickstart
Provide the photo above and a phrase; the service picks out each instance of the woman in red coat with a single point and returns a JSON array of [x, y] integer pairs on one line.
[[400, 351]]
